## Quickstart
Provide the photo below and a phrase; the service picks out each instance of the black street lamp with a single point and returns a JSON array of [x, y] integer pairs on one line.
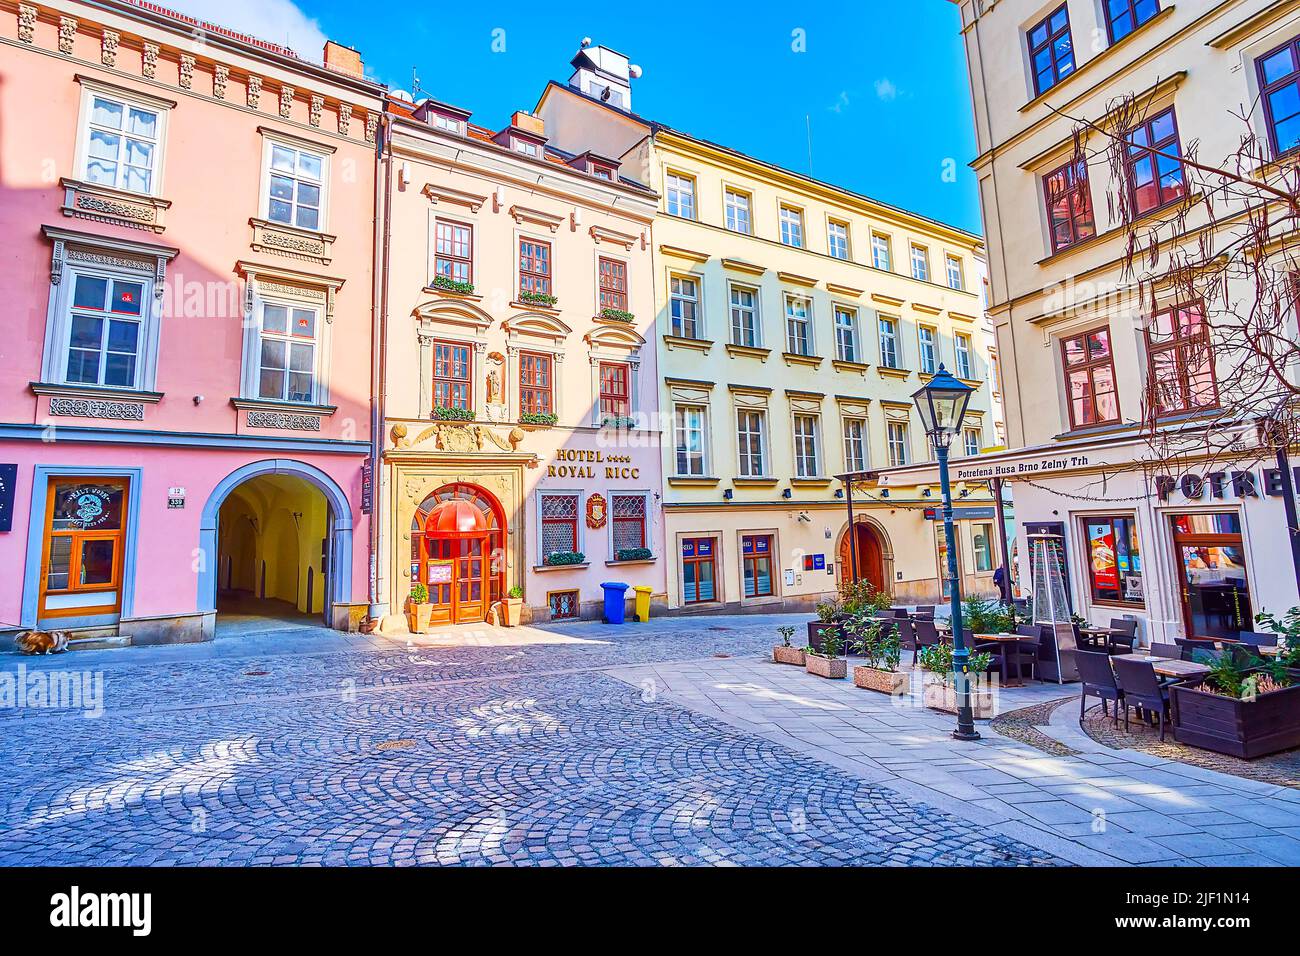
[[941, 403]]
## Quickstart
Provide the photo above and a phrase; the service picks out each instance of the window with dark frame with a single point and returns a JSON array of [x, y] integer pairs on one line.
[[756, 562], [453, 248], [534, 266], [1125, 16], [1114, 559], [1051, 49], [627, 517], [1089, 366], [1069, 205], [1279, 89], [1180, 365], [452, 368], [699, 570], [1155, 166], [614, 396], [536, 385], [613, 284]]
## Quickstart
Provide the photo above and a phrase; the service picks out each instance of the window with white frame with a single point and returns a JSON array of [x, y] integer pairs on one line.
[[970, 438], [961, 347], [744, 316], [690, 437], [287, 353], [106, 325], [684, 306], [750, 427], [295, 186], [627, 521], [920, 263], [888, 342], [679, 195], [956, 278], [798, 325], [881, 257], [792, 226], [837, 239], [896, 439], [806, 463], [855, 444], [453, 245], [846, 334], [123, 142], [737, 212], [929, 351], [452, 124], [527, 147]]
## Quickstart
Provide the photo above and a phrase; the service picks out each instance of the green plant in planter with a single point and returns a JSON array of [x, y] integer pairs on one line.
[[445, 413], [987, 617], [832, 642], [633, 554], [619, 422], [448, 284], [1289, 628], [937, 659], [565, 557], [878, 644], [828, 611], [419, 594], [617, 315], [537, 298], [538, 418], [786, 632], [515, 592], [862, 597]]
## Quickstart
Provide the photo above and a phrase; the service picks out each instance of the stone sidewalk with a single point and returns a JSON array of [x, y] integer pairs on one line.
[[1102, 807]]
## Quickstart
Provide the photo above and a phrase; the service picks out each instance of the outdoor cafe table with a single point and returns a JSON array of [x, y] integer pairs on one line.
[[1104, 633], [1167, 668], [1005, 639]]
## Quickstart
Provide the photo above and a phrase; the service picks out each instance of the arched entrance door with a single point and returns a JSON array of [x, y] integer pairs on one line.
[[870, 555], [458, 552]]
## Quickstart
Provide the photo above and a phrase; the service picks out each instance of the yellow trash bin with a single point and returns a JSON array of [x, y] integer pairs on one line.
[[642, 607]]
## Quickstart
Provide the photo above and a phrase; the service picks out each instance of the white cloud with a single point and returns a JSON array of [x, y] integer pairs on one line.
[[276, 21], [841, 102], [886, 90]]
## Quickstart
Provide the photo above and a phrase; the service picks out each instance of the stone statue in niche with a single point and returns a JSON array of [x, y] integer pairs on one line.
[[493, 387], [496, 399]]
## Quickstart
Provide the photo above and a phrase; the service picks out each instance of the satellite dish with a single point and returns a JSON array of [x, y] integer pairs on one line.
[[424, 100], [586, 42], [604, 95], [634, 71], [402, 95]]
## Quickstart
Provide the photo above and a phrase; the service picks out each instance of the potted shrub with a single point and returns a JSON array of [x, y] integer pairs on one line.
[[939, 689], [827, 662], [828, 613], [1244, 712], [987, 617], [879, 645], [418, 609], [514, 603], [785, 652]]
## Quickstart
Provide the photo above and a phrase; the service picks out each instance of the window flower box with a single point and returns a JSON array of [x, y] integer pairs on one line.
[[448, 284], [617, 315], [621, 423], [544, 299], [562, 558], [445, 414], [633, 554], [538, 418]]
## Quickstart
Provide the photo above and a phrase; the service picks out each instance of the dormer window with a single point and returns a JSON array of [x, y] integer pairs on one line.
[[451, 124], [602, 172], [525, 146]]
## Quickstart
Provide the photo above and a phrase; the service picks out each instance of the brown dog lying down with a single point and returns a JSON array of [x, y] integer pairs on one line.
[[42, 642]]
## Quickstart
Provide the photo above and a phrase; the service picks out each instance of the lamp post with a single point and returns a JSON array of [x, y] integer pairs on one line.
[[941, 403]]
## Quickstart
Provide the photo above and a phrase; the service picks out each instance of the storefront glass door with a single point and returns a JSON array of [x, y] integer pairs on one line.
[[1215, 584], [84, 538]]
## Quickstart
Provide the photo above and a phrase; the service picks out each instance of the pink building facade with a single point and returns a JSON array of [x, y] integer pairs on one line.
[[186, 374]]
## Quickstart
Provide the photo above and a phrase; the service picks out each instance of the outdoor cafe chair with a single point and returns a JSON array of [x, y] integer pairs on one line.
[[1170, 652], [927, 635], [1098, 680], [924, 610], [1258, 638], [1124, 641], [907, 639], [1142, 689]]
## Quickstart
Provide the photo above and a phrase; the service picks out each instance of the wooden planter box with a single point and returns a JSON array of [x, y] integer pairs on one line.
[[937, 694], [894, 683], [1240, 728], [834, 668], [512, 608], [788, 655], [417, 617]]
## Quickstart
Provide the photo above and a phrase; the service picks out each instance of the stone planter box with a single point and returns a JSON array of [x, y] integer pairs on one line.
[[894, 683], [937, 694], [834, 668], [1239, 728], [513, 607], [788, 655]]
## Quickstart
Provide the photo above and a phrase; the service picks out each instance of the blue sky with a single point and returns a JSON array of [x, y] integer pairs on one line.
[[882, 82]]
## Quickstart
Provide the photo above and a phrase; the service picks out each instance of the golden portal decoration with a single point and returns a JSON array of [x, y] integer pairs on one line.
[[597, 512]]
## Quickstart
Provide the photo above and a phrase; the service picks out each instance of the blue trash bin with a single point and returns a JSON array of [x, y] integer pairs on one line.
[[615, 601]]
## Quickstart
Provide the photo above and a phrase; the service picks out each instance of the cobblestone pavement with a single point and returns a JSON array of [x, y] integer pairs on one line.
[[262, 750]]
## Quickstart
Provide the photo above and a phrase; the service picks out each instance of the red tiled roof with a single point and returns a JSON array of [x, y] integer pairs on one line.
[[213, 28]]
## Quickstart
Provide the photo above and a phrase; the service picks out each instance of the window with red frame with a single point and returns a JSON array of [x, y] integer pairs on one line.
[[534, 266], [559, 524], [1090, 378], [614, 399], [453, 243], [1051, 49], [1155, 166], [536, 387], [1279, 88], [627, 512], [1179, 361], [1069, 205], [613, 284], [451, 375]]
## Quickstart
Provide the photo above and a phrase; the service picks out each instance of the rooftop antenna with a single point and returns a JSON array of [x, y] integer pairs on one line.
[[415, 82], [807, 118]]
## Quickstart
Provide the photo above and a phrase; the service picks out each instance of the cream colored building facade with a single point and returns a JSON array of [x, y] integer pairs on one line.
[[1187, 546], [791, 331]]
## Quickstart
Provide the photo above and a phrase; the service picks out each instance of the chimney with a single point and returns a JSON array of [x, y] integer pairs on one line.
[[343, 59], [528, 123], [604, 74]]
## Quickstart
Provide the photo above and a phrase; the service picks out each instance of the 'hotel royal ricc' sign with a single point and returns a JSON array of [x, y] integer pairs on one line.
[[593, 464]]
